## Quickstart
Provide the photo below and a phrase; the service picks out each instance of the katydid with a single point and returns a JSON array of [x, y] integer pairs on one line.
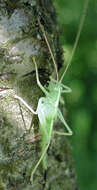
[[47, 109]]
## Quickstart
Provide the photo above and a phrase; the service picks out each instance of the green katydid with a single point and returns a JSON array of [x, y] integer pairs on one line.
[[47, 109]]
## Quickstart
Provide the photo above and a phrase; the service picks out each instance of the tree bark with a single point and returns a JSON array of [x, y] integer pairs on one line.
[[21, 38]]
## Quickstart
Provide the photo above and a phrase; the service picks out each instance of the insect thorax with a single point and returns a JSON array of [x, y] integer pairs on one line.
[[54, 94]]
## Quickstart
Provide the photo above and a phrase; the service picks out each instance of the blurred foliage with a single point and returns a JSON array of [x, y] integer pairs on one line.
[[81, 104]]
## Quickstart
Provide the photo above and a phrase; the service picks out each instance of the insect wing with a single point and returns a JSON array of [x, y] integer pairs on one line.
[[46, 116]]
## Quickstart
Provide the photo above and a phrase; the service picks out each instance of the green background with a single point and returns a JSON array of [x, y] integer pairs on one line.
[[81, 76]]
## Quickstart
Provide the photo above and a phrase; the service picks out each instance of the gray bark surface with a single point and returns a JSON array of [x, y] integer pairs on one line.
[[20, 39]]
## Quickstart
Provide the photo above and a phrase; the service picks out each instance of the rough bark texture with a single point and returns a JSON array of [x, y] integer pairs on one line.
[[20, 39]]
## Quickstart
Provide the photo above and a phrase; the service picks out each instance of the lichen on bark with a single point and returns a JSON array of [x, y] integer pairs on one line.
[[20, 39]]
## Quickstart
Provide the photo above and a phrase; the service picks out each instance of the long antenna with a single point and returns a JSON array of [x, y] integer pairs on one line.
[[77, 37], [45, 37]]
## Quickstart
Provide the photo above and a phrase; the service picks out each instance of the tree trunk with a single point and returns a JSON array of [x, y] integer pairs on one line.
[[21, 38]]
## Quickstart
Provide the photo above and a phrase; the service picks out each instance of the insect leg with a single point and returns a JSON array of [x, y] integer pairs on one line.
[[37, 77], [22, 115], [69, 133], [26, 105], [66, 89], [36, 166]]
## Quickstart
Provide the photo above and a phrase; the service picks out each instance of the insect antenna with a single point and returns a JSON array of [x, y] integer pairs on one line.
[[45, 37], [77, 37]]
